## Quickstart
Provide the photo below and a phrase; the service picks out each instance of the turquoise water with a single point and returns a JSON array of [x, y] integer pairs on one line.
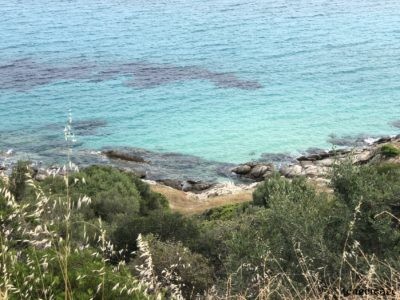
[[225, 80]]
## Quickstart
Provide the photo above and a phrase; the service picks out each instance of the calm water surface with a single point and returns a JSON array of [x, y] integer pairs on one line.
[[225, 80]]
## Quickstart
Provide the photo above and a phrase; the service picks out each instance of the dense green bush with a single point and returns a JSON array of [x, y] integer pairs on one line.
[[211, 242], [277, 188], [189, 270], [370, 191], [167, 226], [296, 219], [302, 224], [388, 168], [149, 200], [390, 150], [111, 191], [114, 193], [226, 212], [290, 229], [42, 212]]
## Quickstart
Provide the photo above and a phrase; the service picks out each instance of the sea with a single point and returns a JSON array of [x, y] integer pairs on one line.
[[224, 81]]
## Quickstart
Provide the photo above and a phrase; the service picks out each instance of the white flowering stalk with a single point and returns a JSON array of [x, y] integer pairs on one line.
[[171, 280], [345, 253], [70, 139], [147, 275]]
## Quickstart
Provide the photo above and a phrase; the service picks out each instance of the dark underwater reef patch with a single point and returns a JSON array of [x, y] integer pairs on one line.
[[26, 74], [152, 75], [88, 127]]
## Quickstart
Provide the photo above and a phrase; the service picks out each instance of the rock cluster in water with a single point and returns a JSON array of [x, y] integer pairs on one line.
[[255, 171]]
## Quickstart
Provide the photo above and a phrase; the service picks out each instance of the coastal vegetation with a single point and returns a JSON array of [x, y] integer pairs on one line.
[[102, 233], [389, 150], [222, 150]]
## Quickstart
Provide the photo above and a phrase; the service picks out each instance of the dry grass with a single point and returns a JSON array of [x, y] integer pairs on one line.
[[184, 203]]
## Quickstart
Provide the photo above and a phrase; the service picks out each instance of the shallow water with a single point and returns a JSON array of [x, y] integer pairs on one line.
[[223, 80]]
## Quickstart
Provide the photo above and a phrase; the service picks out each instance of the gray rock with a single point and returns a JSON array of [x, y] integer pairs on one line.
[[116, 154], [174, 183], [139, 173], [291, 171], [327, 162], [254, 170], [261, 171], [195, 186], [314, 157], [314, 171], [338, 152], [242, 169], [363, 157], [305, 163], [383, 140]]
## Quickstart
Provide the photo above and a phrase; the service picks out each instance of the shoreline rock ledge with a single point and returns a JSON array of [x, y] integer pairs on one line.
[[316, 166]]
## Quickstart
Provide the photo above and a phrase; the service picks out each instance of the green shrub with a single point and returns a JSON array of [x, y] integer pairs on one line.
[[190, 270], [369, 191], [149, 200], [388, 168], [290, 226], [226, 212], [296, 217], [114, 193], [319, 226], [390, 150], [165, 225], [276, 187], [211, 242]]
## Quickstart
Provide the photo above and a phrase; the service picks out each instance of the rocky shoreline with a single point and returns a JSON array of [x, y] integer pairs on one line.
[[315, 166]]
